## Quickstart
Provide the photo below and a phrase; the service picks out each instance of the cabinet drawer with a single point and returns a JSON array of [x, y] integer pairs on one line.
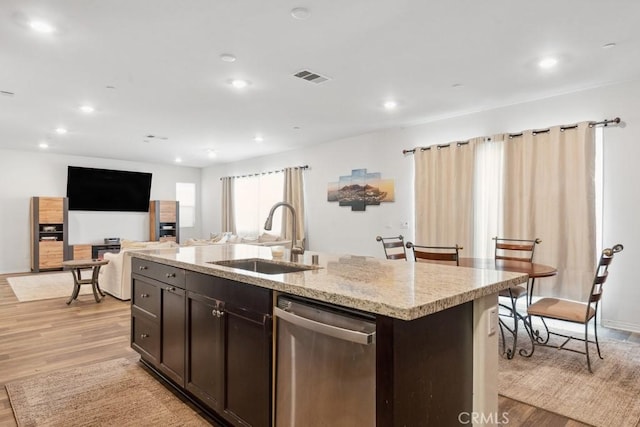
[[146, 296], [235, 294], [164, 273], [145, 337]]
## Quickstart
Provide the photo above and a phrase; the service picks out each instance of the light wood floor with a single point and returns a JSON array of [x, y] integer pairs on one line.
[[43, 336]]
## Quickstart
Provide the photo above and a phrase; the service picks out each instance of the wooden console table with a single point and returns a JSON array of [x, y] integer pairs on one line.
[[76, 266]]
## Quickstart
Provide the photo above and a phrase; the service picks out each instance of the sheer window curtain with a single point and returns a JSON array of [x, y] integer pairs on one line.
[[488, 196], [228, 214], [444, 189], [294, 195]]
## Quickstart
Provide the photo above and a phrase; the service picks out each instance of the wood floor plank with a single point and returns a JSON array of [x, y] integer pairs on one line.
[[43, 336]]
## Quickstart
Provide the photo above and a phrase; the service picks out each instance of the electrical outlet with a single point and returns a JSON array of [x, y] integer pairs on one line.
[[492, 319]]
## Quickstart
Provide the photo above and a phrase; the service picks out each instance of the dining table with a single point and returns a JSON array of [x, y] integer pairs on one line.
[[534, 270]]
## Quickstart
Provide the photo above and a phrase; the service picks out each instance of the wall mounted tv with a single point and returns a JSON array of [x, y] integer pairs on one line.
[[91, 189]]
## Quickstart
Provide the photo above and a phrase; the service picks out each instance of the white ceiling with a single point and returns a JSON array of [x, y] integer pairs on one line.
[[152, 67]]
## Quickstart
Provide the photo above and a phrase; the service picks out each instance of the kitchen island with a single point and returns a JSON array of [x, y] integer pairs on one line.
[[207, 329]]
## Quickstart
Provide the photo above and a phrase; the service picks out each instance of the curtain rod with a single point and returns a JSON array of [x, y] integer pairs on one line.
[[265, 173], [604, 123]]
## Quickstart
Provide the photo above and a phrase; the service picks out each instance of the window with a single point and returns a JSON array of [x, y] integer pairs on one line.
[[186, 195], [253, 198]]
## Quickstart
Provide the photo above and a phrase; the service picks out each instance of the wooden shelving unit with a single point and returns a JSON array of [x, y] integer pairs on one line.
[[164, 220], [49, 218]]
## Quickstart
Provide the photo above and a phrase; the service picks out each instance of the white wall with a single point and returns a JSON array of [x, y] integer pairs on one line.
[[336, 229], [27, 174]]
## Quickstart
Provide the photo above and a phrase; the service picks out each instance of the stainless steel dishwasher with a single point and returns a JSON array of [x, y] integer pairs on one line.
[[326, 365]]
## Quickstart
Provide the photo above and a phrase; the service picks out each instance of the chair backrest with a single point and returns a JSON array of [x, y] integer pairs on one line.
[[602, 271], [436, 253], [393, 247], [515, 249]]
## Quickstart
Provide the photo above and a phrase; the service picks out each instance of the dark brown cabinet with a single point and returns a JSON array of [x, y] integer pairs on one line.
[[229, 334], [248, 355], [205, 345], [172, 348], [158, 317], [210, 336]]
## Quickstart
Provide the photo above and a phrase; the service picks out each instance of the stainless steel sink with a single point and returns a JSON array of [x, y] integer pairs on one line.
[[263, 266]]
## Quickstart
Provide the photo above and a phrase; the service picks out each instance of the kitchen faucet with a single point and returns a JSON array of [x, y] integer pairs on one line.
[[295, 250]]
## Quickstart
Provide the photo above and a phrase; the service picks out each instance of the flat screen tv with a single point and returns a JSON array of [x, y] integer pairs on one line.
[[90, 189]]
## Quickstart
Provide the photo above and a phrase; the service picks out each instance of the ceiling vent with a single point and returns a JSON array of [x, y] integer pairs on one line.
[[310, 76]]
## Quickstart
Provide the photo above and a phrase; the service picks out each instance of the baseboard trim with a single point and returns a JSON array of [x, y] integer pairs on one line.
[[624, 326]]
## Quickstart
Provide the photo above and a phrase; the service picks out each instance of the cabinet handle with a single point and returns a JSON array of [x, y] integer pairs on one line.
[[171, 289], [217, 313], [144, 336], [170, 275], [142, 267], [144, 295]]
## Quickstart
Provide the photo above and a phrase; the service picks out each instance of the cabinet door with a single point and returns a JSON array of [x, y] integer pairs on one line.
[[205, 343], [51, 255], [172, 350], [248, 367], [145, 335]]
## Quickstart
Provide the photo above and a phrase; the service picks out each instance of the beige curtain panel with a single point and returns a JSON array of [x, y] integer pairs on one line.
[[444, 195], [228, 213], [538, 184], [294, 195], [549, 193]]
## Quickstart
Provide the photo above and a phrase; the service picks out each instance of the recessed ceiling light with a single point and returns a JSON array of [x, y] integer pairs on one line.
[[227, 57], [300, 13], [548, 63], [239, 83], [390, 105], [258, 138], [61, 131], [87, 109], [212, 154], [608, 45], [43, 145], [178, 160], [41, 27]]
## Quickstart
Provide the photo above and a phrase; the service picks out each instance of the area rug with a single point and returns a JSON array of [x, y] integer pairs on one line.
[[117, 392], [45, 286], [560, 382]]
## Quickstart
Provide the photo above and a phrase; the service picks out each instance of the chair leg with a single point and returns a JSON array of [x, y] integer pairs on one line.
[[586, 345], [500, 324], [514, 313], [595, 332], [529, 328]]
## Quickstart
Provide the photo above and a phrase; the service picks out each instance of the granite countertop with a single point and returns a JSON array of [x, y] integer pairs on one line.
[[394, 288]]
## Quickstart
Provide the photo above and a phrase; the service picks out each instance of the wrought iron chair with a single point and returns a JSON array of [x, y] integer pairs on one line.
[[436, 253], [393, 247], [573, 311], [513, 250]]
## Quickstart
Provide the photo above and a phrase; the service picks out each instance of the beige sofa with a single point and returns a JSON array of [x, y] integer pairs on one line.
[[115, 277], [264, 239]]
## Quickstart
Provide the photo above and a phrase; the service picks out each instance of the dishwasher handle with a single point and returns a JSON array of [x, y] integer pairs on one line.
[[323, 328]]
